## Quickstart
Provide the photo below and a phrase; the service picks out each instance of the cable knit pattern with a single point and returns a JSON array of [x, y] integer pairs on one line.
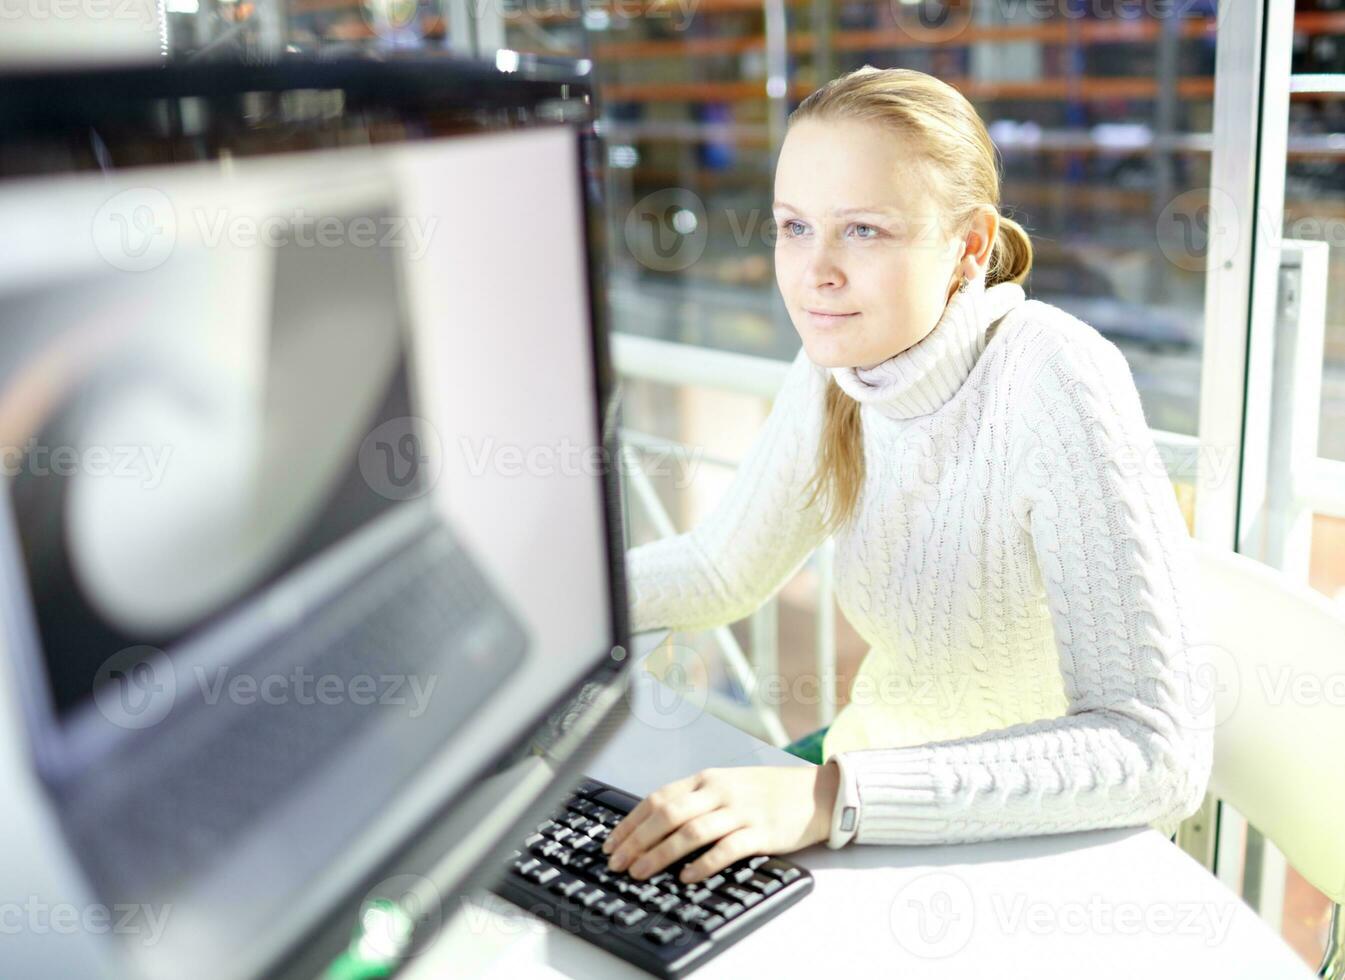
[[1017, 564]]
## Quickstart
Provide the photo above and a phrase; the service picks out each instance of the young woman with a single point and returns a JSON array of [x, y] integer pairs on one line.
[[1007, 540]]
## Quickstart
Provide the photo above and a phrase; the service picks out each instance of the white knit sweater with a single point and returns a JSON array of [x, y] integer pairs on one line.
[[1017, 563]]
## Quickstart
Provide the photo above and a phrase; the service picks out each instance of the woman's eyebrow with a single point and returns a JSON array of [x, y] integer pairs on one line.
[[840, 212]]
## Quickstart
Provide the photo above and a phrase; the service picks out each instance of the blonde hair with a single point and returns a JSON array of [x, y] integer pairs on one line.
[[945, 133]]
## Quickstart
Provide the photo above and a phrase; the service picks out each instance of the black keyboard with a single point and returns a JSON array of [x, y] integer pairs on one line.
[[661, 925]]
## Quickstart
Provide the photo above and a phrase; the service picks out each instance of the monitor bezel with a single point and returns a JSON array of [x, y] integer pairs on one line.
[[44, 101]]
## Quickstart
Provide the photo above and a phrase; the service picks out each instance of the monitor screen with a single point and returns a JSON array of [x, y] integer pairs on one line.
[[159, 488]]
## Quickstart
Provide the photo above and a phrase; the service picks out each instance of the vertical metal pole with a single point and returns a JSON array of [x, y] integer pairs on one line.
[[1163, 153]]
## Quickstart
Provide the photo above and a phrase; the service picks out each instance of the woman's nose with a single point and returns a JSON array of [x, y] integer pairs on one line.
[[823, 269]]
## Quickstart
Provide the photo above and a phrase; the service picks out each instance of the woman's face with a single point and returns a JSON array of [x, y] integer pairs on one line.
[[862, 263]]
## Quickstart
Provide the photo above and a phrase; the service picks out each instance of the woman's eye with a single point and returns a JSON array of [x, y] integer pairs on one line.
[[794, 228], [867, 231]]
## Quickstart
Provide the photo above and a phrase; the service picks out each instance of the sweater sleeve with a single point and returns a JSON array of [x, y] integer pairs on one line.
[[1112, 556], [758, 535]]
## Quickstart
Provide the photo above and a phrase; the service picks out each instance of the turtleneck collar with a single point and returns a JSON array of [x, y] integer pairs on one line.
[[922, 378]]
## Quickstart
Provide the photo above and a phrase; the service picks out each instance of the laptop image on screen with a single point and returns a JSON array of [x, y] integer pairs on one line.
[[269, 618]]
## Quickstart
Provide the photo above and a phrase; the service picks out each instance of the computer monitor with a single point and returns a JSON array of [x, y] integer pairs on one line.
[[268, 353]]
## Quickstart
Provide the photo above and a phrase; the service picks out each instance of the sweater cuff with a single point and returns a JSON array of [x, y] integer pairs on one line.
[[899, 796]]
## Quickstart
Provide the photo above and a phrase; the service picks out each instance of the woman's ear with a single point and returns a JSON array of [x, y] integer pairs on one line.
[[980, 240]]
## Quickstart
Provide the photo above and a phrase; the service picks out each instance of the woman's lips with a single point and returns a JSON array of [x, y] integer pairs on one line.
[[828, 319]]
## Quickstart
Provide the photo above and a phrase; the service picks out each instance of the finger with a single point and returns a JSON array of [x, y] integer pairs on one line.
[[664, 818], [689, 837], [742, 843], [646, 806]]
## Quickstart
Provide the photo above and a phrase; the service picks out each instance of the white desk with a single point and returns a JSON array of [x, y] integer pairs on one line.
[[1126, 903]]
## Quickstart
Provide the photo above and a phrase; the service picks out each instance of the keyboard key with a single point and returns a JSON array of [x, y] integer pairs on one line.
[[689, 913], [713, 882], [526, 865], [630, 915], [610, 907], [567, 885], [665, 903], [779, 869], [758, 861], [664, 934], [767, 886], [724, 906], [542, 875], [708, 924], [645, 892], [592, 897], [741, 875], [699, 895], [622, 803], [743, 896], [532, 839]]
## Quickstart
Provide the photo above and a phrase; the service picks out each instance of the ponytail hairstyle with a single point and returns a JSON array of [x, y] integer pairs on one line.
[[943, 131]]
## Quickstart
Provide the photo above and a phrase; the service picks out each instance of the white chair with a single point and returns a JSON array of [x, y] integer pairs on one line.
[[1278, 649]]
